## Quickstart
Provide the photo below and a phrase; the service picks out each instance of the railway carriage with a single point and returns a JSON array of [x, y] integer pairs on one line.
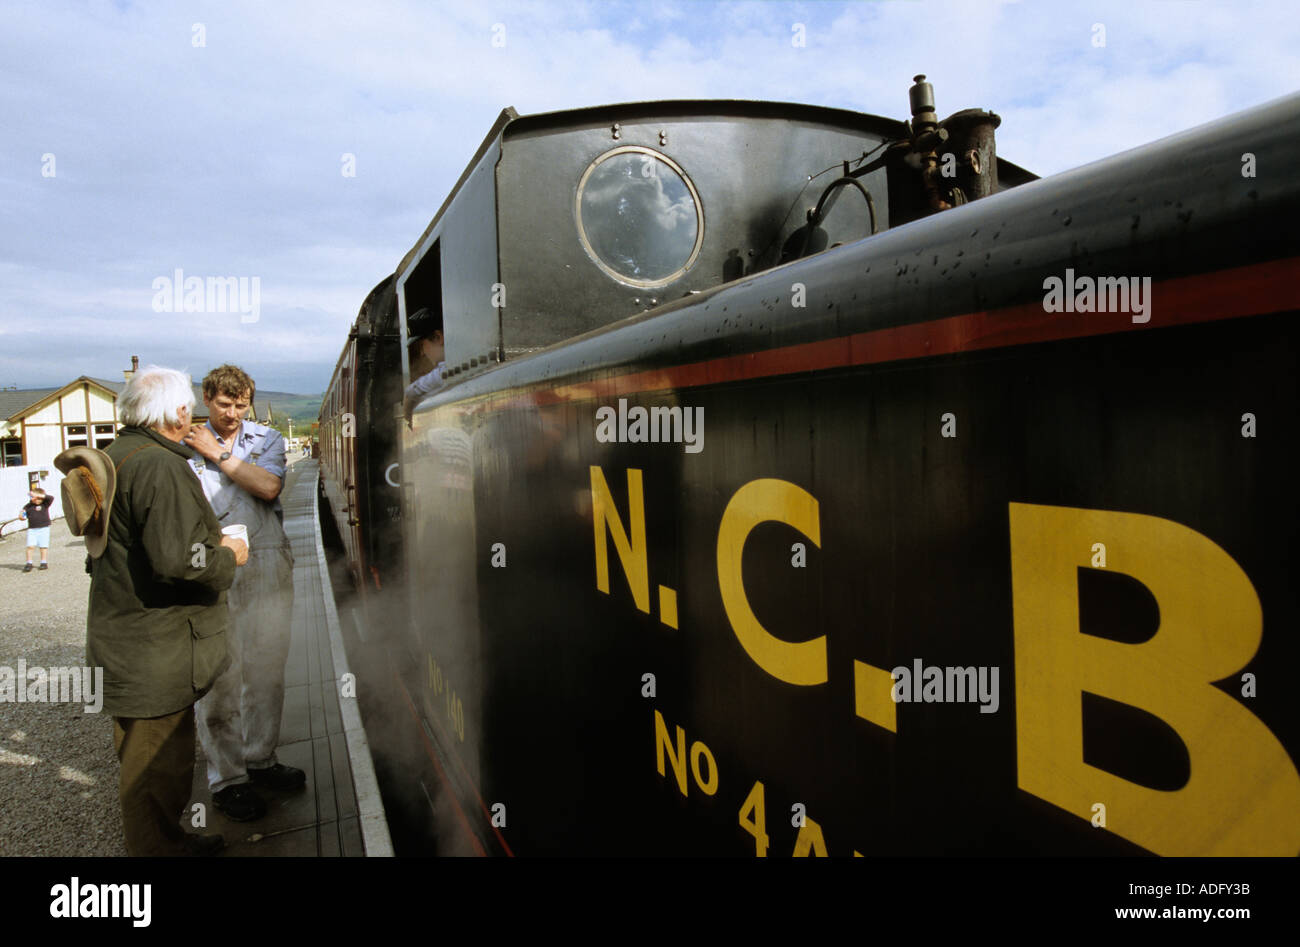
[[808, 482]]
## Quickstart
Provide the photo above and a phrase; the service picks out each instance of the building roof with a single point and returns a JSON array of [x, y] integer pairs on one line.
[[26, 400], [17, 402], [14, 402]]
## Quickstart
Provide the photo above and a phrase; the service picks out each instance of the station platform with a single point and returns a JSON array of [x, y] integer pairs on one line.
[[339, 812]]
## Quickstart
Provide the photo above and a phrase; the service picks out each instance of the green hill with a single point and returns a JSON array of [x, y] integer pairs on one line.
[[303, 409]]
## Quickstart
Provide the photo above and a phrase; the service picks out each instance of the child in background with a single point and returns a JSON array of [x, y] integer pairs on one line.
[[37, 515]]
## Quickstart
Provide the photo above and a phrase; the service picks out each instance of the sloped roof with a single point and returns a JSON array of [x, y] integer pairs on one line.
[[15, 402]]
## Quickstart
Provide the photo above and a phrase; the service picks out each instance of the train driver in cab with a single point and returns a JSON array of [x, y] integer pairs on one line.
[[424, 329]]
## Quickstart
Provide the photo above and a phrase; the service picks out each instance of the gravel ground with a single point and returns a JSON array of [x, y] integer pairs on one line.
[[57, 766], [58, 771]]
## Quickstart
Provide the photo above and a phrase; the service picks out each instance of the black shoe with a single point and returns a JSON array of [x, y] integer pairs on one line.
[[278, 776], [28, 567], [201, 846], [239, 803], [44, 566]]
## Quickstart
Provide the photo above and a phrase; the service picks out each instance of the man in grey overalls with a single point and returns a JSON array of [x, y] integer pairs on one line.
[[241, 467]]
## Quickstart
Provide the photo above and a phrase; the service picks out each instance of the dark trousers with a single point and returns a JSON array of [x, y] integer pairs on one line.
[[157, 757]]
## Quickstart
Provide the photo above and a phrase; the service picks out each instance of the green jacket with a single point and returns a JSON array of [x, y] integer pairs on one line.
[[157, 616]]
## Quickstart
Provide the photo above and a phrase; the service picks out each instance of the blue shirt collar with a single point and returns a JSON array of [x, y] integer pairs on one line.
[[239, 435]]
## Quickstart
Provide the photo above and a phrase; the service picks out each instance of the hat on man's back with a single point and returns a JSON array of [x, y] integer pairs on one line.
[[88, 486]]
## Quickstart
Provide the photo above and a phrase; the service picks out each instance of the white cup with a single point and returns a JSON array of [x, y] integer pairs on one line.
[[238, 531]]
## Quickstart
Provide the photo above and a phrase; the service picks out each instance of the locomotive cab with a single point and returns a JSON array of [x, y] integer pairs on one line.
[[568, 221]]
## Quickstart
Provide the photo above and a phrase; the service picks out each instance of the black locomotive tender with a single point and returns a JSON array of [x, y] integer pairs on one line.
[[753, 407]]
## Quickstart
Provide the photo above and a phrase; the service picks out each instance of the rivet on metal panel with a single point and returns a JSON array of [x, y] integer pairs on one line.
[[663, 138], [617, 131]]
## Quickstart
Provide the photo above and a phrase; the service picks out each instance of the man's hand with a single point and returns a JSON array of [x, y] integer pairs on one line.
[[238, 547], [204, 441], [260, 483]]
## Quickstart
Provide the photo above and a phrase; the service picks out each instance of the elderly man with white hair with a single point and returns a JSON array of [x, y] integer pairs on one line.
[[157, 617]]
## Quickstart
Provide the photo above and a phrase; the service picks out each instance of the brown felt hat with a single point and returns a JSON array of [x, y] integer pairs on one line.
[[88, 486]]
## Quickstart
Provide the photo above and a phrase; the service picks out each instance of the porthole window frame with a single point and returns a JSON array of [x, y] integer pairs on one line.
[[591, 251]]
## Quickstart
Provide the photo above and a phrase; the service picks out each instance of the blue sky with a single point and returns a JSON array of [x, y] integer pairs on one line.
[[225, 158]]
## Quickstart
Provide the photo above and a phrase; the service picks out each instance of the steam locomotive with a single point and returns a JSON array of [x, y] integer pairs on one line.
[[809, 482]]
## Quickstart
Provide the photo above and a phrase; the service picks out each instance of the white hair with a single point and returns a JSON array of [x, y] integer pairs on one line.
[[154, 396]]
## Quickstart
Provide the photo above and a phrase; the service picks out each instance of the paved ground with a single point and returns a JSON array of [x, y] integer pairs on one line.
[[58, 771]]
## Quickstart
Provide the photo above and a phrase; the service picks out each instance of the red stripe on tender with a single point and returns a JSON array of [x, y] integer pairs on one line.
[[1257, 289]]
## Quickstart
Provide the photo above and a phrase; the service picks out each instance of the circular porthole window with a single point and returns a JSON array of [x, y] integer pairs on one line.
[[639, 216]]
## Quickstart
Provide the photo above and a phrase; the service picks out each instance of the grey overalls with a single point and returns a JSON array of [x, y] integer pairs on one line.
[[239, 720]]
